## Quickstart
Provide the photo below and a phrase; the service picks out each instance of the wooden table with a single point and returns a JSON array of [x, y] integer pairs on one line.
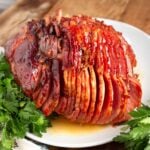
[[135, 12]]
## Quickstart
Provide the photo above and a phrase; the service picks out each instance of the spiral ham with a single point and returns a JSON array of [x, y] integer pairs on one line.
[[78, 67]]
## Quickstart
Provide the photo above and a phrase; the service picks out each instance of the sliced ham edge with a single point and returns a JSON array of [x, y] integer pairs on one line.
[[93, 93], [54, 96], [76, 112]]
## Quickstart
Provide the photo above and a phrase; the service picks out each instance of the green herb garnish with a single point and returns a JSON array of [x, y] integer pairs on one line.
[[18, 114], [138, 136]]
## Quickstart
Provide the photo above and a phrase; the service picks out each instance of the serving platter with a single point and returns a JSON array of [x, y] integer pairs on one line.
[[66, 134], [78, 136]]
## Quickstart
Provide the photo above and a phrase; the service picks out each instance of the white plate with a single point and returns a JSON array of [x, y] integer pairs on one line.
[[140, 43], [71, 136]]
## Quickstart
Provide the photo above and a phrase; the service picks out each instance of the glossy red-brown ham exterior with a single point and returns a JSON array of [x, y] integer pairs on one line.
[[78, 67]]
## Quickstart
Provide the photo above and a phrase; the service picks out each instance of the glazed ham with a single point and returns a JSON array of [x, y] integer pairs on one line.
[[78, 67]]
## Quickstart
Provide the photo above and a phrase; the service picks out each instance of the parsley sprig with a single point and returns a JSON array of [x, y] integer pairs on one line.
[[18, 114], [138, 136]]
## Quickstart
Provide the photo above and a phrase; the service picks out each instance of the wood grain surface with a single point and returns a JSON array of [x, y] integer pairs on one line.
[[134, 12]]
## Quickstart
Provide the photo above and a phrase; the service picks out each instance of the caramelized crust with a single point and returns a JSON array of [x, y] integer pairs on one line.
[[78, 67]]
